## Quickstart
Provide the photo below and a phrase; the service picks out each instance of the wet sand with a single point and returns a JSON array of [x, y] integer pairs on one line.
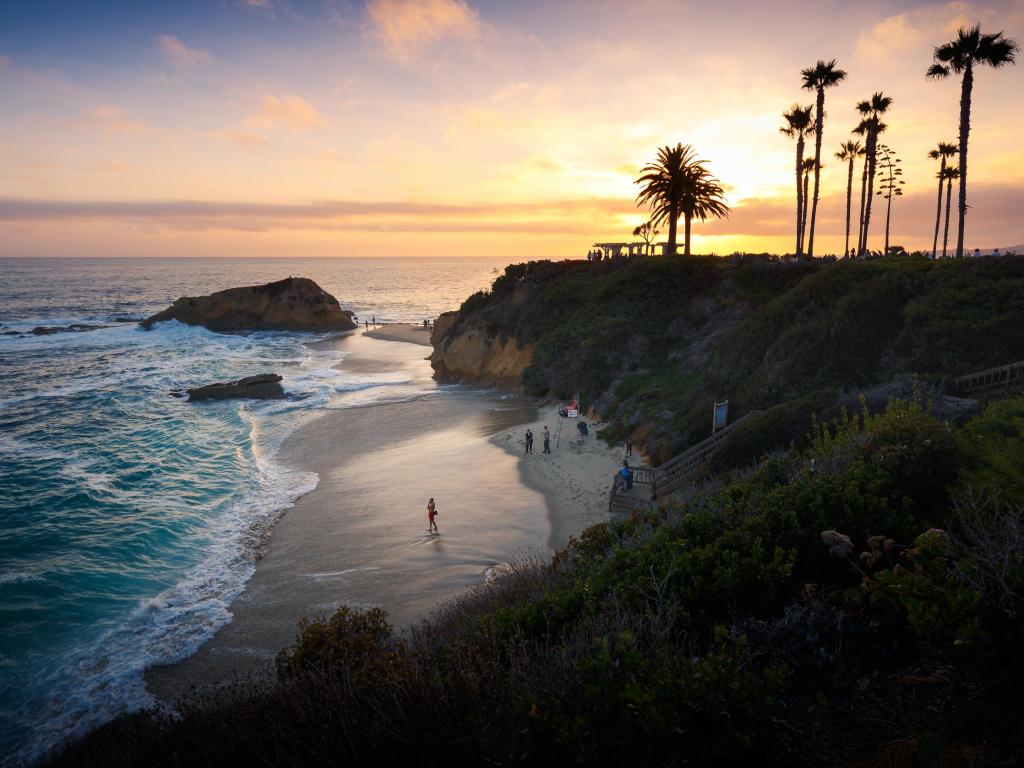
[[575, 477], [360, 537], [408, 332]]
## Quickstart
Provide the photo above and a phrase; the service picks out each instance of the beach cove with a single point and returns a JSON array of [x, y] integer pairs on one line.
[[359, 538]]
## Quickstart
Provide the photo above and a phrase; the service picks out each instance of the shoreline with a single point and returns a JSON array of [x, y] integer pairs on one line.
[[358, 537], [409, 333], [574, 478]]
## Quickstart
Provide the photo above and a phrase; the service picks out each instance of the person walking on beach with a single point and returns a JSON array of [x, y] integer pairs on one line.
[[547, 440], [529, 441], [629, 447], [431, 514]]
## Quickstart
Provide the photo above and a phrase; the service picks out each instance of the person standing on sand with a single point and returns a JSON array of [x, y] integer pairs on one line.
[[431, 514], [629, 447], [547, 440], [529, 441]]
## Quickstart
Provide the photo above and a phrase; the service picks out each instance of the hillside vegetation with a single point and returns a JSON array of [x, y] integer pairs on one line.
[[652, 343], [855, 603]]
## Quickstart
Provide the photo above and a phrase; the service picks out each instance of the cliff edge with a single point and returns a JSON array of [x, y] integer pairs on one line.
[[467, 352]]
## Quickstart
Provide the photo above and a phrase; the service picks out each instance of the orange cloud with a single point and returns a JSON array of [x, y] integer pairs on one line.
[[404, 26], [242, 137], [289, 110], [113, 120], [176, 50]]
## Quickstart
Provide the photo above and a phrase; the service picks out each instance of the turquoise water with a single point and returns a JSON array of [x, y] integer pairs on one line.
[[129, 520]]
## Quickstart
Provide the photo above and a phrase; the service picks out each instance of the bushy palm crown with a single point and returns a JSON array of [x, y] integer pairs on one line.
[[972, 47], [678, 182], [849, 150], [822, 75], [944, 149], [878, 104], [798, 121]]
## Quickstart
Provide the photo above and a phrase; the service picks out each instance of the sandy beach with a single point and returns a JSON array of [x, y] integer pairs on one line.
[[574, 478], [359, 537], [408, 332]]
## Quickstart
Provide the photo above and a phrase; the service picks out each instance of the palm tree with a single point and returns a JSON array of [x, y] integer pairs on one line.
[[817, 78], [677, 184], [943, 152], [798, 125], [951, 173], [806, 168], [849, 152], [970, 48], [862, 130], [872, 109]]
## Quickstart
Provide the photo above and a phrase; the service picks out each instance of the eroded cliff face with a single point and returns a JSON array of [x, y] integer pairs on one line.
[[465, 352]]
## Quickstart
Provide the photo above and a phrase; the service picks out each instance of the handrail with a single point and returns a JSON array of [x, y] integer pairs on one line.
[[674, 472], [990, 377]]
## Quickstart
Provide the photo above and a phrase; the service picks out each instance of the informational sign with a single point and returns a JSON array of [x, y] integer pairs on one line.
[[720, 416], [572, 413]]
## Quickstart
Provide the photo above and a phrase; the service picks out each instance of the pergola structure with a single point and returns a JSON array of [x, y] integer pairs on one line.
[[638, 248]]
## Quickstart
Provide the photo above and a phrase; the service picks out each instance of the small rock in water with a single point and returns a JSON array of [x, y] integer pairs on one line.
[[265, 386]]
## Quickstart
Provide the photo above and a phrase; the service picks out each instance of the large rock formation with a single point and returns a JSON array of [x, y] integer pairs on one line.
[[293, 304], [467, 352], [265, 386]]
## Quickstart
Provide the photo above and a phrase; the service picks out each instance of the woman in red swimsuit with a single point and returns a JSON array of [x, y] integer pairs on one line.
[[431, 513]]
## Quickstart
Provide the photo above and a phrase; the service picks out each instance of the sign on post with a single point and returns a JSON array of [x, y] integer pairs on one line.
[[720, 416]]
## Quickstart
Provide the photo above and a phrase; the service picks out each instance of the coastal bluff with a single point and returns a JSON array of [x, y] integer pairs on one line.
[[292, 304], [467, 352]]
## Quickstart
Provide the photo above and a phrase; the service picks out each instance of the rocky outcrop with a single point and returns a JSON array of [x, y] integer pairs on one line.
[[48, 330], [264, 386], [466, 352], [293, 304]]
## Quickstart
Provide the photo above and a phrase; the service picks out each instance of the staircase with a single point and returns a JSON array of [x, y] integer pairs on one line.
[[651, 483], [990, 378]]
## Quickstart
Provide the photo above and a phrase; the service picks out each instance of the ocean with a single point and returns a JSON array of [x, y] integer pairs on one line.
[[130, 520]]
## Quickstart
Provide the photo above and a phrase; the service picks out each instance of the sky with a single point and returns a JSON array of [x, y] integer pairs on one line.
[[467, 127]]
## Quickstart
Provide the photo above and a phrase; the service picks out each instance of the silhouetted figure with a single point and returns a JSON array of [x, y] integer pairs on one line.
[[547, 440]]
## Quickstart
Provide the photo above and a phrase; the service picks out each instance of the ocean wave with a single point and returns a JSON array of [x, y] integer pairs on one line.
[[96, 683]]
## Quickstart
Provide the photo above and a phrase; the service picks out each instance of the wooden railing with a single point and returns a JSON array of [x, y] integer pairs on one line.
[[1003, 376], [657, 482]]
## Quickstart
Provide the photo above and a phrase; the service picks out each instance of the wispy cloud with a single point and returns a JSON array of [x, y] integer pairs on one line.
[[405, 26], [4, 61], [113, 120], [177, 51], [289, 111], [242, 137]]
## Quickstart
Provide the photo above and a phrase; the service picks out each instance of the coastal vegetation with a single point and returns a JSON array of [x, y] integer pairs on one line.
[[854, 602], [650, 344]]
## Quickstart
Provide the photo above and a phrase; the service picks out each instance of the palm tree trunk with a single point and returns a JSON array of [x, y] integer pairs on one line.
[[819, 122], [803, 220], [799, 192], [849, 201], [687, 219], [863, 196], [872, 139], [673, 215], [965, 129], [938, 210], [945, 234]]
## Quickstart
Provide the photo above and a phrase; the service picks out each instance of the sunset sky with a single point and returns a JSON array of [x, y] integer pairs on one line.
[[444, 127]]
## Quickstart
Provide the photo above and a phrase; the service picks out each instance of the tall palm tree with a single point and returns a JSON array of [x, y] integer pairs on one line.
[[798, 126], [872, 109], [862, 130], [942, 152], [703, 197], [950, 173], [806, 168], [849, 152], [677, 184], [817, 78], [960, 56]]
